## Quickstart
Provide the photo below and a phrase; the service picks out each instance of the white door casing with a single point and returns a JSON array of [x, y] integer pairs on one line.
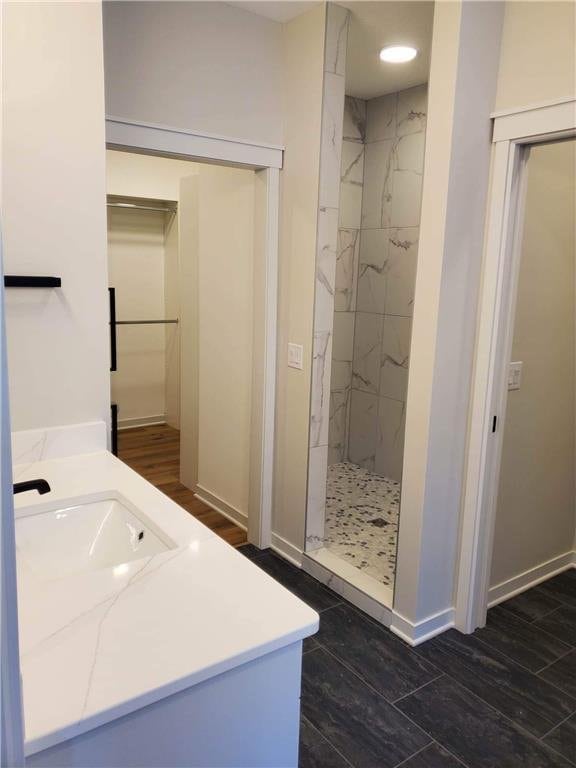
[[266, 161], [513, 134]]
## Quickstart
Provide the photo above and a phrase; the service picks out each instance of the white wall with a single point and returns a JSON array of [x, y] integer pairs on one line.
[[201, 66], [136, 266], [134, 175], [53, 209], [463, 76], [538, 53], [536, 513], [262, 82], [216, 291], [303, 63], [225, 258]]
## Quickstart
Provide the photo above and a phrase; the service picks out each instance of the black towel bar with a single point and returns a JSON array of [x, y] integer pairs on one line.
[[31, 281]]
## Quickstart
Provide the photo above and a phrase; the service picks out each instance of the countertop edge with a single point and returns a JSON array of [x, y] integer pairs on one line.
[[41, 743]]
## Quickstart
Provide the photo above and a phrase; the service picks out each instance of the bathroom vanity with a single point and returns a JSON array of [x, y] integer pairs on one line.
[[145, 639]]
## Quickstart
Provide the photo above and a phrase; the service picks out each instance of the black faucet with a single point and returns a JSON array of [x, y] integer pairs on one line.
[[32, 485]]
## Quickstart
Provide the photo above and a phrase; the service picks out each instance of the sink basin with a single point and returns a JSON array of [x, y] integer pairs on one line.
[[85, 537]]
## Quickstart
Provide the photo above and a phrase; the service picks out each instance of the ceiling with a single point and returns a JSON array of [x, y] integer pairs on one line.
[[281, 10], [372, 26], [376, 24]]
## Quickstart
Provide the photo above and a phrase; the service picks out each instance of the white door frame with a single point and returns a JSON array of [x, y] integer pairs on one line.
[[514, 132], [149, 138]]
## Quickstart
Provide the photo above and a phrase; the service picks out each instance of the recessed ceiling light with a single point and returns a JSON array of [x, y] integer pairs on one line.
[[398, 54]]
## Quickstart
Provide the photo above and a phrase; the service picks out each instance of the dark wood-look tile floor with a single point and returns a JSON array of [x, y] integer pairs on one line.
[[154, 452], [504, 697]]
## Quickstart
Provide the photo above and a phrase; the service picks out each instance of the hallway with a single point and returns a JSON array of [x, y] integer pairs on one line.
[[154, 452]]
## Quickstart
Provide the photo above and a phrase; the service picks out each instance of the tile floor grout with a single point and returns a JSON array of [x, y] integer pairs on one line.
[[517, 663], [512, 722], [551, 664], [381, 695], [504, 719], [554, 727], [538, 738], [327, 740], [405, 696]]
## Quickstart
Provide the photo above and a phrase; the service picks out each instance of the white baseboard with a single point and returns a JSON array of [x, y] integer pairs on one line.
[[379, 608], [286, 549], [219, 505], [416, 633], [141, 421], [530, 578]]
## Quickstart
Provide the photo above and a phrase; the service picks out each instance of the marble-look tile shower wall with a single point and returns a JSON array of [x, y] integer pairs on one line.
[[381, 184], [333, 89]]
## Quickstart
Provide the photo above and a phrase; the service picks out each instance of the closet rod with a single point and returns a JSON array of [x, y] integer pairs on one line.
[[145, 322], [133, 206]]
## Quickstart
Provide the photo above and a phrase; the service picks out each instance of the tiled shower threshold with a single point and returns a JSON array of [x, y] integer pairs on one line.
[[376, 591]]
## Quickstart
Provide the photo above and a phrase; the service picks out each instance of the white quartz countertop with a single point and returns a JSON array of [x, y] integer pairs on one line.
[[97, 645]]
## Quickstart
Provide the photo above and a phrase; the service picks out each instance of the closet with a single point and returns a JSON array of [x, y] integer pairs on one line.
[[181, 284], [143, 278]]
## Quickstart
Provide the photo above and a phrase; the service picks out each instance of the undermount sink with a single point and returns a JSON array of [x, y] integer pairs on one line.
[[85, 537]]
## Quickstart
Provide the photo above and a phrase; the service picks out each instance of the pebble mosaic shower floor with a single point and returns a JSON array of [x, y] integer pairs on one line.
[[362, 519]]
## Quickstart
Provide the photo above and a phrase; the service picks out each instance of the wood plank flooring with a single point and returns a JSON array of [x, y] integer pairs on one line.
[[154, 452]]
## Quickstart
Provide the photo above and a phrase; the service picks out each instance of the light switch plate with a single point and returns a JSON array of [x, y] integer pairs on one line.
[[295, 356], [514, 375]]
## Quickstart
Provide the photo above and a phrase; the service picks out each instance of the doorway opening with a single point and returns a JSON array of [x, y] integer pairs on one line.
[[519, 519], [383, 135], [535, 522], [181, 246]]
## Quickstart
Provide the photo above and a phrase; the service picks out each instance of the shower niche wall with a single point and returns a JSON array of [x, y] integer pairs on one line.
[[355, 480]]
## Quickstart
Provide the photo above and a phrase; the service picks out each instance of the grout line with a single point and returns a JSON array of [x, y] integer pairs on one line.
[[534, 622], [381, 695], [458, 760], [534, 672], [326, 739], [551, 748], [517, 664], [405, 696], [525, 732], [433, 743], [329, 608], [419, 752], [549, 613], [531, 621], [554, 727], [353, 671], [572, 650], [507, 717]]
